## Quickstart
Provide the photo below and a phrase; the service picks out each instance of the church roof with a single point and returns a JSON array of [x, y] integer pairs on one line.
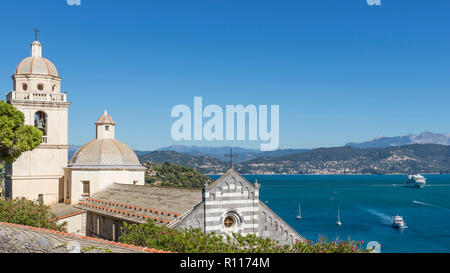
[[36, 66], [27, 239], [105, 153], [140, 203], [105, 119], [230, 174]]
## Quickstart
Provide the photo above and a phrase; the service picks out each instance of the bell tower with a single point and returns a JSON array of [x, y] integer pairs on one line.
[[39, 174]]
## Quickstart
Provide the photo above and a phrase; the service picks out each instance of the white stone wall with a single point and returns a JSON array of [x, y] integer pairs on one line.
[[30, 188], [98, 180], [57, 119], [41, 171], [75, 224], [50, 84], [103, 133]]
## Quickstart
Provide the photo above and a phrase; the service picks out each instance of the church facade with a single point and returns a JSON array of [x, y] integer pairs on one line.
[[231, 205]]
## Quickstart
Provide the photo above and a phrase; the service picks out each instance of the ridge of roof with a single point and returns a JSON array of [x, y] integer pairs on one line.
[[232, 170], [105, 119]]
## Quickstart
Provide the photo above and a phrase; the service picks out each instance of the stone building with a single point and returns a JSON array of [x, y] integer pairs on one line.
[[44, 174], [39, 174], [230, 204], [106, 180], [100, 163]]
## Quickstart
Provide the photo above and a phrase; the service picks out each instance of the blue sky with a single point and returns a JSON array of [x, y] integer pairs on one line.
[[341, 71]]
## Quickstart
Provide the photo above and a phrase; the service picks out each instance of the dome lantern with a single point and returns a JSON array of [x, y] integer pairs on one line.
[[105, 127], [36, 49]]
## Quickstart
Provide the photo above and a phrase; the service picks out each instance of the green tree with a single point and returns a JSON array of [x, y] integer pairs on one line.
[[29, 213], [195, 241], [172, 175], [2, 180], [15, 137]]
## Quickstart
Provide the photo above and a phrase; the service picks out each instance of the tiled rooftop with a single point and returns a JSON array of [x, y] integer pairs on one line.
[[105, 152], [20, 234], [142, 203]]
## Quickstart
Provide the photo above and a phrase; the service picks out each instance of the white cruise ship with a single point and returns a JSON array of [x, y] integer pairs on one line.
[[416, 181]]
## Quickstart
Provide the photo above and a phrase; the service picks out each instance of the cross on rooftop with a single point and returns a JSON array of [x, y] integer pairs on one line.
[[36, 30], [231, 155]]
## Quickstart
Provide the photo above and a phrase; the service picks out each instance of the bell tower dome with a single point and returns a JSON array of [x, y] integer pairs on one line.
[[36, 73]]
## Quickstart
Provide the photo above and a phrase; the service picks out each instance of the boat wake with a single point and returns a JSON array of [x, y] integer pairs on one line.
[[428, 205], [386, 219]]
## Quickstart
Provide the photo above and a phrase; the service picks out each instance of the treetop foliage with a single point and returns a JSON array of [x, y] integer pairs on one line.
[[195, 241], [171, 175], [15, 137]]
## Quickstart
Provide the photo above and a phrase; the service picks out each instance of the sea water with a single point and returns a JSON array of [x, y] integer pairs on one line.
[[367, 205]]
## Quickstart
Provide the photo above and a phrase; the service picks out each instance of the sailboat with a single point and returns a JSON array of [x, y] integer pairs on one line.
[[339, 223], [299, 216]]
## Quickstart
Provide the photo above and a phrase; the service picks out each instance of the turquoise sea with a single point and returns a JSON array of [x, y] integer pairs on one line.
[[367, 204]]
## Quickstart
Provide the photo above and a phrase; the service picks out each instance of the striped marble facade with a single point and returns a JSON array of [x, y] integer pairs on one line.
[[233, 197]]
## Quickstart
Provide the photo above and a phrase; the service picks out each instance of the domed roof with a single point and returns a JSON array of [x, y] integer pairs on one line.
[[36, 64], [105, 152]]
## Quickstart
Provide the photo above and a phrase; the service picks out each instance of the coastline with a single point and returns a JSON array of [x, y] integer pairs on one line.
[[308, 174]]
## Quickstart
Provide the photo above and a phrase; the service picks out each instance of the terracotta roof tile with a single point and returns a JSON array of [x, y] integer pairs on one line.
[[80, 237]]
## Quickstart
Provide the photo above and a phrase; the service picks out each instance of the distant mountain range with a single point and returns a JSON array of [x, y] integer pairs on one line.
[[242, 154], [424, 153], [423, 138], [415, 158], [408, 159]]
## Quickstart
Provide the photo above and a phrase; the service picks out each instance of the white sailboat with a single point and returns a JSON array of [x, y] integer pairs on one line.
[[339, 223], [299, 216]]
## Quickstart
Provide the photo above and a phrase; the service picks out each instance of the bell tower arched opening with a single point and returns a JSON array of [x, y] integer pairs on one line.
[[40, 122]]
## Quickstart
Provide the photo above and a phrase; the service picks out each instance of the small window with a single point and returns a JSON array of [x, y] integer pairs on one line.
[[54, 88], [135, 182], [106, 128], [24, 87], [40, 87], [68, 190], [229, 222], [40, 199], [86, 188]]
